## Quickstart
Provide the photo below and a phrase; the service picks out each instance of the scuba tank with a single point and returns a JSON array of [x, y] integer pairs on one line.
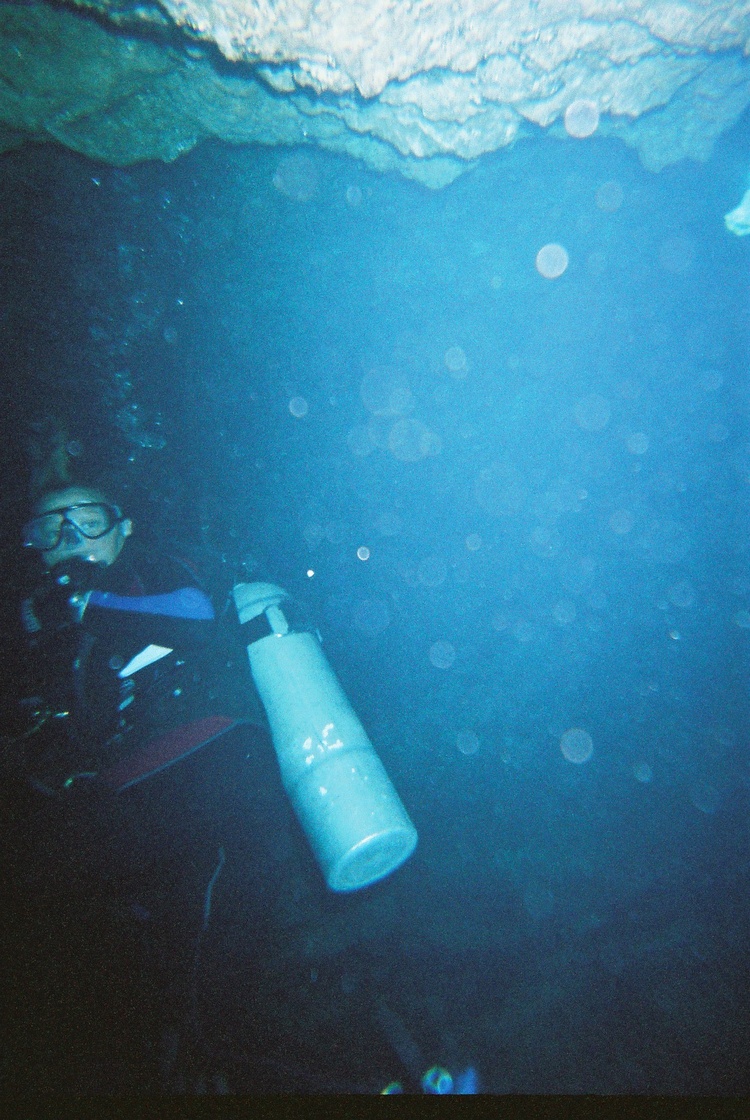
[[352, 816]]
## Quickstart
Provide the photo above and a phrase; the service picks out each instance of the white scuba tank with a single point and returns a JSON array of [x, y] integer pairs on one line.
[[353, 818]]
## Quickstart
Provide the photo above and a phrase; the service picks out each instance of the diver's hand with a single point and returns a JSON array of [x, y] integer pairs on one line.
[[60, 600], [49, 609]]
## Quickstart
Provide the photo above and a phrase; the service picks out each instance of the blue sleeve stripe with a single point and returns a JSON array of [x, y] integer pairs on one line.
[[186, 602]]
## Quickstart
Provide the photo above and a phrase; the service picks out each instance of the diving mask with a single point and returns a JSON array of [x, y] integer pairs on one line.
[[90, 520]]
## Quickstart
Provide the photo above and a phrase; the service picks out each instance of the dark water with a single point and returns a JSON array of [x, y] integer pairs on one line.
[[283, 364]]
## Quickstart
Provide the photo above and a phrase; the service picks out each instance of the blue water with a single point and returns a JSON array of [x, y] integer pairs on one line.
[[515, 506]]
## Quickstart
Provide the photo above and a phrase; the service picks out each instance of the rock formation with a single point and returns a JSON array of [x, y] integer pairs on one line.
[[423, 88]]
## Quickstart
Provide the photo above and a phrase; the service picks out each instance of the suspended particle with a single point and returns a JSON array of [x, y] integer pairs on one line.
[[467, 742], [682, 594], [577, 745], [717, 433], [296, 176], [677, 255], [442, 654], [621, 521], [705, 797], [386, 392], [372, 617], [360, 441], [581, 118], [538, 901], [711, 381], [432, 571], [298, 407], [551, 261], [609, 196], [592, 413], [564, 612], [642, 772], [637, 444], [455, 361]]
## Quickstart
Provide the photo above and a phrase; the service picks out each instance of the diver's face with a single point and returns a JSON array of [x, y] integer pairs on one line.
[[73, 542]]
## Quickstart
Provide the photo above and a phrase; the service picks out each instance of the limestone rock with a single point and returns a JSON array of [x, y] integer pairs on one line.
[[424, 88]]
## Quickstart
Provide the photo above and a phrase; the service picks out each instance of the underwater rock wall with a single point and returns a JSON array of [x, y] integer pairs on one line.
[[423, 88]]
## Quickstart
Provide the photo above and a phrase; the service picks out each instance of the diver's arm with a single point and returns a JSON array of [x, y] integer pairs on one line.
[[74, 593], [185, 615]]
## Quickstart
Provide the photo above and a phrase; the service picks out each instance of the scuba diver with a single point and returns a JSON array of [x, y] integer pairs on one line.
[[132, 672], [121, 646], [129, 669]]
